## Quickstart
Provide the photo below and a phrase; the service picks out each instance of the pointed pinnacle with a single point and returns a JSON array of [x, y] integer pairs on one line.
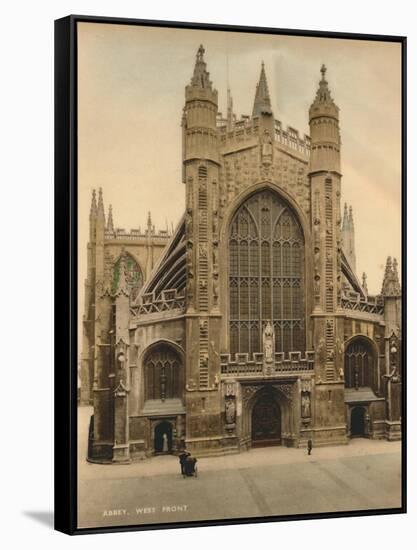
[[93, 208], [351, 216], [110, 226], [323, 92], [262, 103], [200, 77], [100, 207]]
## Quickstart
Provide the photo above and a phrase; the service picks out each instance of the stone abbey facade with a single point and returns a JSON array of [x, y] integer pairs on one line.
[[248, 325]]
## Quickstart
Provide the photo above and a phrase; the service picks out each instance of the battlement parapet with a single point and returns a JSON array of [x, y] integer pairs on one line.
[[246, 128], [244, 364]]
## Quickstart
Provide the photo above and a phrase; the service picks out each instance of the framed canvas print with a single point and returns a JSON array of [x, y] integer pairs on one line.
[[230, 274]]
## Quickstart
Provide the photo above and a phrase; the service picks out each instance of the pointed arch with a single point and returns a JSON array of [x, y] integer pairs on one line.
[[163, 371], [266, 274]]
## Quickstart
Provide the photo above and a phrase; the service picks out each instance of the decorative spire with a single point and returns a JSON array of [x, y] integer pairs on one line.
[[262, 103], [110, 226], [323, 93], [149, 223], [391, 284], [200, 77], [100, 207], [350, 217], [395, 267], [230, 118], [93, 208], [364, 283], [345, 218]]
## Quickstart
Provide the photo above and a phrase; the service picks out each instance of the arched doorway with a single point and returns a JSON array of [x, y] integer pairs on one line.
[[163, 437], [357, 422], [266, 421]]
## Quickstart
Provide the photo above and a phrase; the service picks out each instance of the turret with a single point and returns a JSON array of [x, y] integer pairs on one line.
[[120, 350], [201, 176], [200, 114], [391, 293], [391, 285], [324, 130], [325, 176]]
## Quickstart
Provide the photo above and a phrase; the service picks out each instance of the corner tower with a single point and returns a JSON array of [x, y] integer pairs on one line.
[[201, 177], [325, 179]]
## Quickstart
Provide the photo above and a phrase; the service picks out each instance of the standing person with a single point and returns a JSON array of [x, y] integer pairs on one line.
[[190, 466], [183, 457], [309, 446]]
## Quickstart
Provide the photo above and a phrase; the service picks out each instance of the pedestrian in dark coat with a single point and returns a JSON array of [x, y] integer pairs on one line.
[[190, 467], [309, 446], [183, 457]]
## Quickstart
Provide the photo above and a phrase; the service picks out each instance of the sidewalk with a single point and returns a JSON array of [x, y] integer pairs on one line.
[[255, 458]]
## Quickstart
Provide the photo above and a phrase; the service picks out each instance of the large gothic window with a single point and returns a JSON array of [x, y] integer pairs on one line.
[[134, 277], [359, 364], [266, 275], [163, 373]]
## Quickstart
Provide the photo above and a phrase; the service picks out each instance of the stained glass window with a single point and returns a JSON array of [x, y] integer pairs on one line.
[[266, 279], [133, 273]]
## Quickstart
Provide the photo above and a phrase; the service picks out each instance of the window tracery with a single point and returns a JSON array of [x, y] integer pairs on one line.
[[359, 365], [163, 374], [266, 278]]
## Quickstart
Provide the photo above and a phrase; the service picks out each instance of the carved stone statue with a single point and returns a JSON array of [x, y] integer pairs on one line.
[[215, 223], [305, 405], [266, 149], [268, 342], [215, 255], [215, 289], [230, 407], [266, 144]]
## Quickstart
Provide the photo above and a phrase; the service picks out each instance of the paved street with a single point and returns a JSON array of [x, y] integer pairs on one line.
[[269, 481]]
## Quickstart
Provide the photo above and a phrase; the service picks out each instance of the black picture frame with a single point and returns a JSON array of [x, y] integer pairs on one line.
[[66, 313]]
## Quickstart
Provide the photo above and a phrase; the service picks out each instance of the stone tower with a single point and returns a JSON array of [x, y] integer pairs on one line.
[[325, 179], [201, 176], [391, 293]]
